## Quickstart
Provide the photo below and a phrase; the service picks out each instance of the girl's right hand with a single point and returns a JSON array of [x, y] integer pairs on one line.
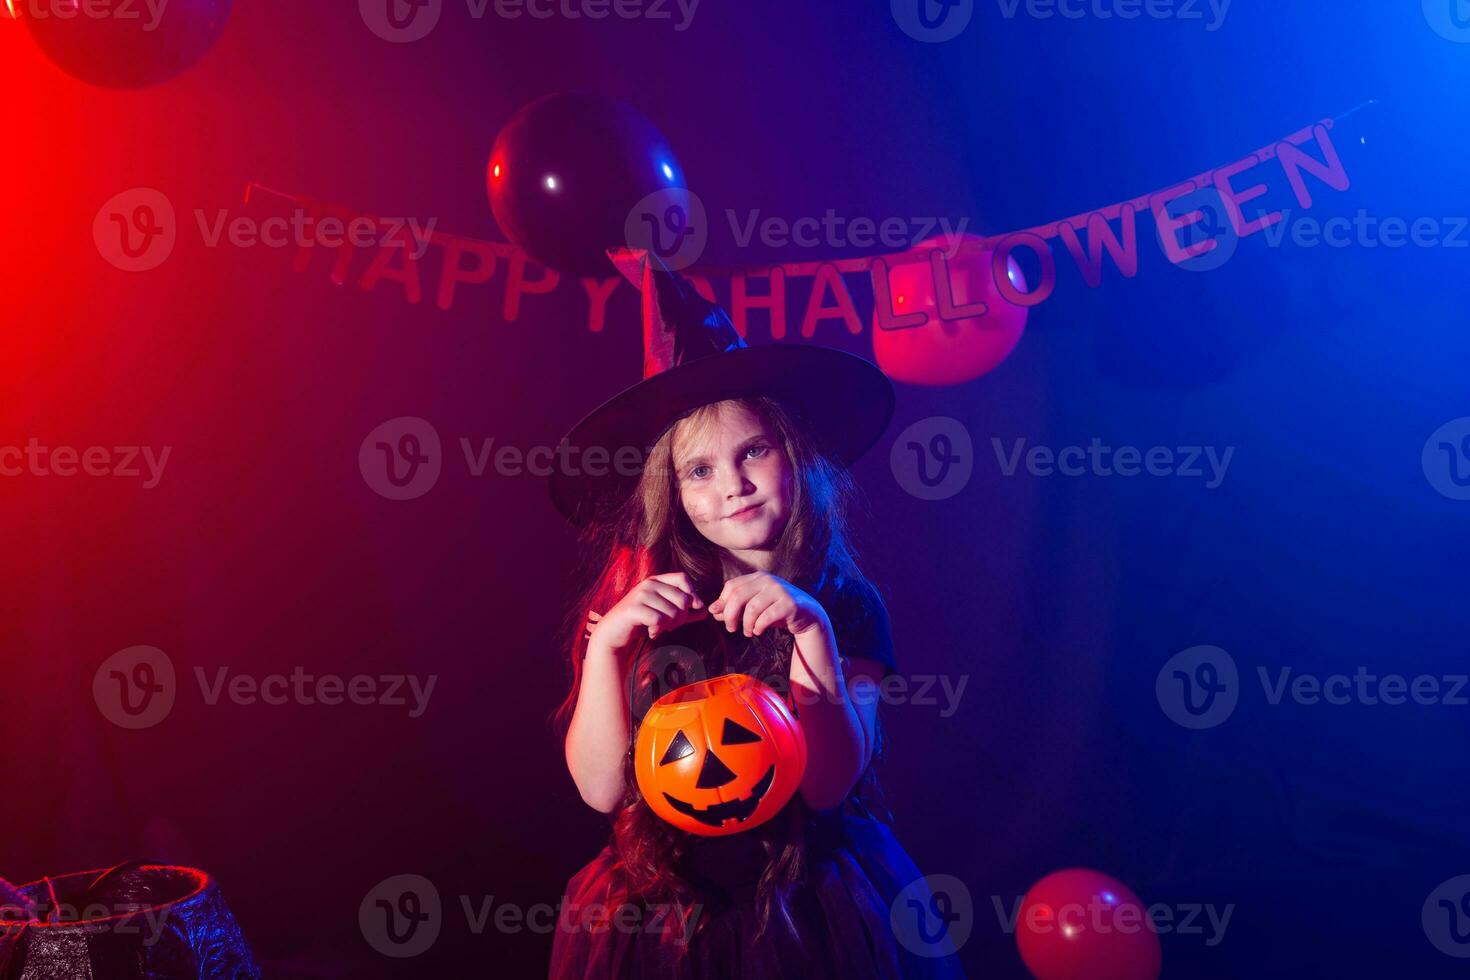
[[659, 604]]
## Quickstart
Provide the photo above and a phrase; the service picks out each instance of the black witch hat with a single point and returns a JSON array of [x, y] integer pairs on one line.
[[692, 356]]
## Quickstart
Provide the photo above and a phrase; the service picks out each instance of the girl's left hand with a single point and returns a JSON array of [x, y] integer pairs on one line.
[[757, 601]]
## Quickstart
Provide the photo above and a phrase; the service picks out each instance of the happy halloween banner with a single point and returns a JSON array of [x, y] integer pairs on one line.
[[394, 251]]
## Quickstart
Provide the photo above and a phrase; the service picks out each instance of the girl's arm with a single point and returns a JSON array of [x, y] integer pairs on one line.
[[837, 714], [597, 739]]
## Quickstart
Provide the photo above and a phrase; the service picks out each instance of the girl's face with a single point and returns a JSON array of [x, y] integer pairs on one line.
[[735, 482]]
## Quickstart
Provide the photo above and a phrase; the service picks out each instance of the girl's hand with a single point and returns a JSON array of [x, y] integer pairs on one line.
[[659, 603], [757, 601]]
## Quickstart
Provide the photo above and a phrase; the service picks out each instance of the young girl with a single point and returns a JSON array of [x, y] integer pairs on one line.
[[727, 552]]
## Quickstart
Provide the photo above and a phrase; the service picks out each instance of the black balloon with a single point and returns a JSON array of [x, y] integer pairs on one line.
[[568, 170], [118, 45]]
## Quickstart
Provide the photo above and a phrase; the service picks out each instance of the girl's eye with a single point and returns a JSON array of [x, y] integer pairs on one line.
[[760, 451]]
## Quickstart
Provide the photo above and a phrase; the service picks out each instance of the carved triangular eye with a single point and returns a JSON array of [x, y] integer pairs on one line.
[[737, 734], [679, 748]]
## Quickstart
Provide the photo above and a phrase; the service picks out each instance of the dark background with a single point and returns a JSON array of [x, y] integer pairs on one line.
[[1325, 549]]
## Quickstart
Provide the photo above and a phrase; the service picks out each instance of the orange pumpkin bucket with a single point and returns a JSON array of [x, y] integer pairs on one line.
[[719, 756]]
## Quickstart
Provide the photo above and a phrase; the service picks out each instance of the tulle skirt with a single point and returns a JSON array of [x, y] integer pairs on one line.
[[844, 916]]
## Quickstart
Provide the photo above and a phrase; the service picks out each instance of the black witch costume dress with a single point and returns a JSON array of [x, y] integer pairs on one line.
[[854, 908]]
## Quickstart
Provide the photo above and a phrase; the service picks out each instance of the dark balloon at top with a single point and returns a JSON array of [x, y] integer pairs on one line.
[[567, 172], [124, 45]]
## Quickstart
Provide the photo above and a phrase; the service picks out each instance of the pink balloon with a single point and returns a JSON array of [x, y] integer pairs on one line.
[[1080, 924], [928, 329]]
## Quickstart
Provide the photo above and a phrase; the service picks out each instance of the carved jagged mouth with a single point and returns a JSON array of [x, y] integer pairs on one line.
[[718, 813]]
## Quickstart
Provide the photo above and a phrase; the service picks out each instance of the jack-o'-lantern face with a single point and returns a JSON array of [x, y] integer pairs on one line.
[[719, 756]]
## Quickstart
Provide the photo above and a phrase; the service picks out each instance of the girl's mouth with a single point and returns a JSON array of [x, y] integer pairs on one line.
[[746, 514]]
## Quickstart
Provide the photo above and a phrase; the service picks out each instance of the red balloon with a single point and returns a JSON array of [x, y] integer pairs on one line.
[[1080, 924], [567, 172], [953, 342], [117, 45]]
